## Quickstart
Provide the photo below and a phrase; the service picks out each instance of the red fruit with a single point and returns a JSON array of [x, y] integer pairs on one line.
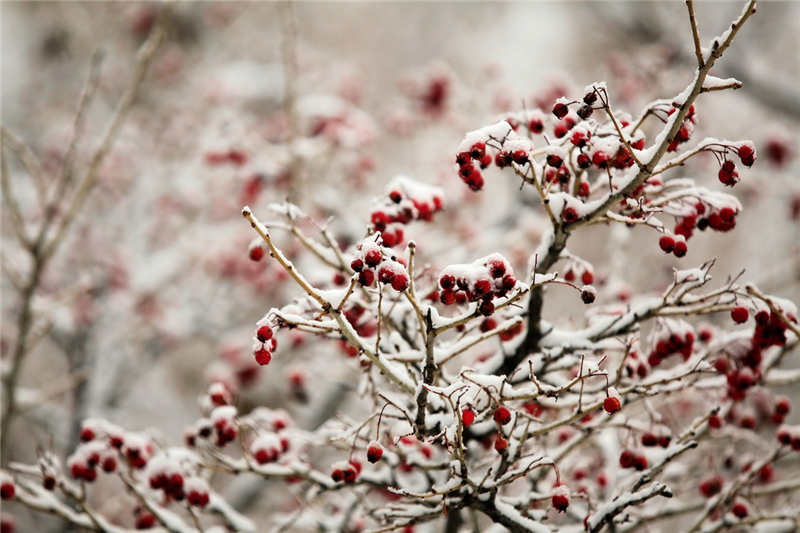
[[478, 150], [502, 159], [400, 282], [264, 333], [711, 486], [600, 159], [535, 125], [649, 439], [612, 404], [560, 498], [373, 257], [640, 462], [747, 155], [783, 405], [257, 253], [627, 459], [560, 110], [396, 196], [740, 314], [145, 521], [337, 475], [7, 491], [87, 434], [262, 356], [467, 417], [740, 510], [366, 277], [500, 443], [109, 464], [197, 498], [502, 415], [587, 277], [374, 452], [569, 214], [680, 248], [357, 265], [714, 422], [519, 157], [485, 161], [386, 275], [486, 308], [554, 160], [666, 243]]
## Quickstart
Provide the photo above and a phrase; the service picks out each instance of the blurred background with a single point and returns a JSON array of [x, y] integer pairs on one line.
[[152, 295]]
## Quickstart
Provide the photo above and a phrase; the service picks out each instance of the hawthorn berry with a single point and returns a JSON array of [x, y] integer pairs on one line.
[[666, 243], [560, 110], [740, 314], [588, 294], [500, 443], [467, 417], [264, 333], [560, 499], [374, 452], [7, 490], [711, 486], [519, 157], [740, 510], [257, 253], [569, 214], [262, 356], [680, 248], [747, 154], [612, 404], [584, 161], [502, 415]]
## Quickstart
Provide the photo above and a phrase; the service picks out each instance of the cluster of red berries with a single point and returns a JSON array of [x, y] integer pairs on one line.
[[673, 244], [687, 128], [675, 343], [630, 459], [222, 419], [740, 380], [770, 330], [365, 325], [371, 260], [84, 462], [264, 345], [167, 477], [471, 175], [406, 201], [267, 447], [634, 365], [345, 471], [650, 439], [480, 281]]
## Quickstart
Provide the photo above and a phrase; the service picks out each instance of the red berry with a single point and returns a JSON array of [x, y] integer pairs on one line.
[[400, 282], [7, 491], [500, 443], [374, 452], [711, 486], [680, 248], [502, 415], [649, 439], [569, 214], [264, 333], [740, 314], [627, 459], [740, 510], [262, 356], [467, 417], [256, 253], [587, 277], [366, 277], [373, 257], [560, 499], [612, 404], [666, 243], [87, 434], [600, 159], [560, 110], [486, 308], [783, 405]]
